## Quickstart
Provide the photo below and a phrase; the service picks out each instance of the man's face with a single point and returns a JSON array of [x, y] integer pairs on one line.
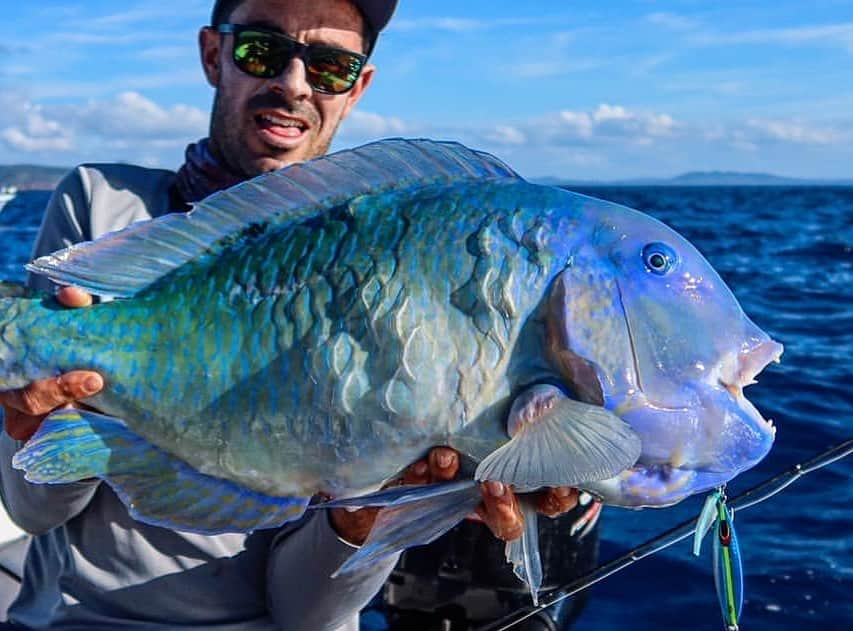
[[260, 125]]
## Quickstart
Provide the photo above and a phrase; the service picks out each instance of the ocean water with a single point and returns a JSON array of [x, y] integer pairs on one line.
[[787, 253]]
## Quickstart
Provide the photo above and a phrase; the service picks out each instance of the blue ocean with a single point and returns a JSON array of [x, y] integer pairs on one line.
[[787, 253]]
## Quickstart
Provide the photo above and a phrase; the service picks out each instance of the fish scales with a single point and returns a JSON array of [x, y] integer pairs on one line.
[[436, 299], [330, 414]]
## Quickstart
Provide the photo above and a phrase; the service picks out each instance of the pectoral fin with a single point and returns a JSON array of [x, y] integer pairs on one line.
[[156, 487], [398, 495], [523, 553], [414, 521], [557, 441]]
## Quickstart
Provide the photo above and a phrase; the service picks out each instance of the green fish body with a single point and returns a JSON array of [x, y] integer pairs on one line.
[[317, 329]]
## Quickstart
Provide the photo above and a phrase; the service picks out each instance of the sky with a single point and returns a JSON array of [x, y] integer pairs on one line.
[[571, 89]]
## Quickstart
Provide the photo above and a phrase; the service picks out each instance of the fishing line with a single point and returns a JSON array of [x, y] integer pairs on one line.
[[751, 497]]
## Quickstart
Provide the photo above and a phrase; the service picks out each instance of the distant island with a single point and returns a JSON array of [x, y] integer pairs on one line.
[[31, 177], [34, 177], [701, 178]]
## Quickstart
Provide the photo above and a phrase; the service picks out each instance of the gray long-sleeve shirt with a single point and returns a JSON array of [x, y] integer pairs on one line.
[[91, 566]]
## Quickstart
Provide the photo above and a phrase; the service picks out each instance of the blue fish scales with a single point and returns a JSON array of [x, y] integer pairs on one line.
[[322, 343]]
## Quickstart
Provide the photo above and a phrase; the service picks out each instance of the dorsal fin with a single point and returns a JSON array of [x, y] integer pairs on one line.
[[125, 262]]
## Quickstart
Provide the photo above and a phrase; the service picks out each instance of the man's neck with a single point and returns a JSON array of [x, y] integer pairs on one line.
[[202, 174]]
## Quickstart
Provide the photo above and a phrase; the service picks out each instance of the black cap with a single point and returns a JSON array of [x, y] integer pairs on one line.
[[377, 12]]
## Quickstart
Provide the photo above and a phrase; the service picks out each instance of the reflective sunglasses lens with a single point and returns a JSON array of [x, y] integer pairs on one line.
[[259, 54], [332, 71], [265, 55]]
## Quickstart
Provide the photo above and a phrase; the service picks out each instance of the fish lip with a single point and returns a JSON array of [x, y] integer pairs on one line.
[[735, 375], [749, 363]]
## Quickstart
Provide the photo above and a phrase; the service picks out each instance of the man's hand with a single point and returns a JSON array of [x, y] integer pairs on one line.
[[441, 465], [501, 513], [25, 408], [499, 510]]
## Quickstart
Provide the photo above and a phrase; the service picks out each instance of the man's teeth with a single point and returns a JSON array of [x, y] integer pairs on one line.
[[281, 122]]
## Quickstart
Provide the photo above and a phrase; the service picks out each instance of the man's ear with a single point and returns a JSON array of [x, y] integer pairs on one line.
[[209, 46], [359, 88]]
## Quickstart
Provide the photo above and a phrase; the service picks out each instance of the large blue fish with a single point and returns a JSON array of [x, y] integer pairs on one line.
[[317, 329]]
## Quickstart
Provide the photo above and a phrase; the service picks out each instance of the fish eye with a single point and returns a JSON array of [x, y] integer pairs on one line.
[[659, 258]]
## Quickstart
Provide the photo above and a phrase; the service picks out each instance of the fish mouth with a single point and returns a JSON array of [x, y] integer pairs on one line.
[[740, 371]]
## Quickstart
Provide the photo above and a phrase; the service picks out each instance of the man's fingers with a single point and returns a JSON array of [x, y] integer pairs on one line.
[[443, 464], [353, 526], [73, 297], [417, 473], [40, 397], [20, 426], [500, 511], [556, 501]]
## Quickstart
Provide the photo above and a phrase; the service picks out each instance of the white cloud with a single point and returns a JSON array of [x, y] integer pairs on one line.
[[128, 127], [645, 65], [461, 25], [754, 134], [578, 124], [106, 39], [660, 125], [19, 140], [550, 68], [168, 53], [607, 123], [827, 34], [370, 125], [150, 11], [672, 21], [615, 140], [132, 116], [608, 140], [607, 112], [795, 132], [25, 128], [506, 135], [441, 24]]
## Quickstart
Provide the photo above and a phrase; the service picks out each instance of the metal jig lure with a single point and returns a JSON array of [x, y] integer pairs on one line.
[[728, 570]]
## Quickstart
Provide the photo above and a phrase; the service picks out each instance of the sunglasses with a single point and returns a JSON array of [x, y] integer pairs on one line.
[[265, 54]]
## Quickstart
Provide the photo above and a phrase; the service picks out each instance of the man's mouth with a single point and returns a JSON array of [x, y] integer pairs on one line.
[[280, 130]]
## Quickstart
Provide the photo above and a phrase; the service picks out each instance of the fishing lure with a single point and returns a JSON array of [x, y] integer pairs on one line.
[[728, 570], [752, 497]]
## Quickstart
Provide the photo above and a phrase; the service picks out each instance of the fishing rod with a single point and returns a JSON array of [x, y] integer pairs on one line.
[[751, 497]]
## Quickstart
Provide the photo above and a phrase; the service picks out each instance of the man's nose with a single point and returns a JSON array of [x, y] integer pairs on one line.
[[293, 81]]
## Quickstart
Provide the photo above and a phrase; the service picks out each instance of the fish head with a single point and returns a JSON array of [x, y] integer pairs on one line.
[[641, 323]]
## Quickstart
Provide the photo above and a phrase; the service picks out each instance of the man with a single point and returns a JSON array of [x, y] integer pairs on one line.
[[286, 72]]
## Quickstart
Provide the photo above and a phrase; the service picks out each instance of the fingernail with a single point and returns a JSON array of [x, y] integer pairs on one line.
[[584, 499], [92, 384], [444, 459], [496, 489], [421, 468]]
